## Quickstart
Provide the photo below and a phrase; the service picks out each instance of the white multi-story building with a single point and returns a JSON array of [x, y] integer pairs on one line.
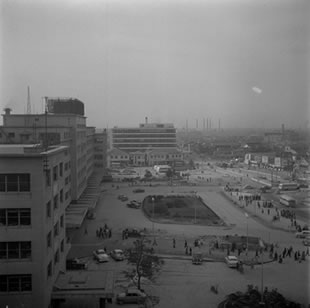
[[147, 136], [34, 194]]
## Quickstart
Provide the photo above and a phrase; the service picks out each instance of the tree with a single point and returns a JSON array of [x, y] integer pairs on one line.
[[170, 174], [145, 263]]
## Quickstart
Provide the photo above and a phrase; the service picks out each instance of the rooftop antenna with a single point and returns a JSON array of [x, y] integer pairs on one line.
[[28, 101]]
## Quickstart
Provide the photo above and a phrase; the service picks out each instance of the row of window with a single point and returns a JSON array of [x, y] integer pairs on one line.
[[56, 259], [15, 283], [144, 146], [15, 217], [55, 231], [156, 139], [14, 182], [141, 131], [15, 250]]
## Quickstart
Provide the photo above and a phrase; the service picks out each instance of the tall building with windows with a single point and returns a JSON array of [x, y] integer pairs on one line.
[[147, 136], [34, 193], [64, 123]]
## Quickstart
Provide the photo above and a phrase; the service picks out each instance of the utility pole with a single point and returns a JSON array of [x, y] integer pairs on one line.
[[28, 101]]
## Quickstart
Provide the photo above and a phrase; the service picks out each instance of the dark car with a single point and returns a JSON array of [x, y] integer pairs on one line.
[[134, 204], [138, 190], [122, 198], [131, 296], [75, 264], [117, 254], [132, 232]]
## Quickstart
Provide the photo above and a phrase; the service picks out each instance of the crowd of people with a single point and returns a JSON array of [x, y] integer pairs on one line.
[[104, 232]]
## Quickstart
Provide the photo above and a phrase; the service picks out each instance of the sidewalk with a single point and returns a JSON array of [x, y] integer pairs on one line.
[[263, 215]]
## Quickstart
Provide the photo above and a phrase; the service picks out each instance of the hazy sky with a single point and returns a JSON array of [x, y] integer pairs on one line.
[[169, 60]]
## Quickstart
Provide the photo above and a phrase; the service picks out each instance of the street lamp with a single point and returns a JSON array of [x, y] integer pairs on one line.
[[247, 233], [262, 246], [195, 206], [153, 202]]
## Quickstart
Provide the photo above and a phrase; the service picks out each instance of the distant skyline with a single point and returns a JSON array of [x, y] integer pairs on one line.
[[245, 62]]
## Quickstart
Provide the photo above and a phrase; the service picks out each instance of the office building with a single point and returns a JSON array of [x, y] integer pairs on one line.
[[34, 194], [147, 136], [56, 128]]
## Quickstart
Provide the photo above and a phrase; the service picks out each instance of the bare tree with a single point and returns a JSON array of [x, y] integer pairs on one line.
[[145, 263]]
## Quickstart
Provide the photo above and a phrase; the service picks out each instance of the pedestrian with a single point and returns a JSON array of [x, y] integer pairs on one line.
[[280, 259], [185, 244], [110, 233], [190, 250], [173, 242]]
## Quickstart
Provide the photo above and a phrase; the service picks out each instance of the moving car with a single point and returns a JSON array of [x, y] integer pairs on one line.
[[303, 234], [122, 198], [75, 264], [132, 232], [197, 258], [131, 296], [232, 261], [117, 255], [100, 255], [138, 190], [134, 204]]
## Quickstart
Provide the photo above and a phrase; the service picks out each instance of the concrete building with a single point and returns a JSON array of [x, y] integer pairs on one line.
[[147, 136], [100, 150], [56, 129], [117, 158], [34, 194]]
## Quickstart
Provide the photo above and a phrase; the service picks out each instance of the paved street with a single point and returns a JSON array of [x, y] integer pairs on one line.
[[182, 284]]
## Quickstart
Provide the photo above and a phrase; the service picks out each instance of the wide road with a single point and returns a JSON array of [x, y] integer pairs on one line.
[[182, 284]]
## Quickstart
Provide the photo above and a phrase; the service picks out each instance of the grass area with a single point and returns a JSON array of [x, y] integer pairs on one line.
[[180, 208]]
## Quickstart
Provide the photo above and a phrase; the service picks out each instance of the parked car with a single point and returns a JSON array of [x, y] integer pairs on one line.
[[131, 296], [138, 190], [303, 234], [232, 261], [100, 255], [76, 264], [122, 198], [306, 241], [117, 255]]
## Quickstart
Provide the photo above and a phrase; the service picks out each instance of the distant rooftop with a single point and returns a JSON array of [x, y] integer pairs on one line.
[[22, 149]]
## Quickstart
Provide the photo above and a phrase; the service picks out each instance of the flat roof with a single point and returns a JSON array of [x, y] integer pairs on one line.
[[84, 282], [28, 149]]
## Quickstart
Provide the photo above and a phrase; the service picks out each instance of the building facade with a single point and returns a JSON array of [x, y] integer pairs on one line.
[[100, 150], [59, 128], [145, 137], [35, 191]]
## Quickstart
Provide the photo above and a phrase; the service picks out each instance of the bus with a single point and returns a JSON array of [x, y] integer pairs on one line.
[[288, 186], [287, 201], [161, 169]]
